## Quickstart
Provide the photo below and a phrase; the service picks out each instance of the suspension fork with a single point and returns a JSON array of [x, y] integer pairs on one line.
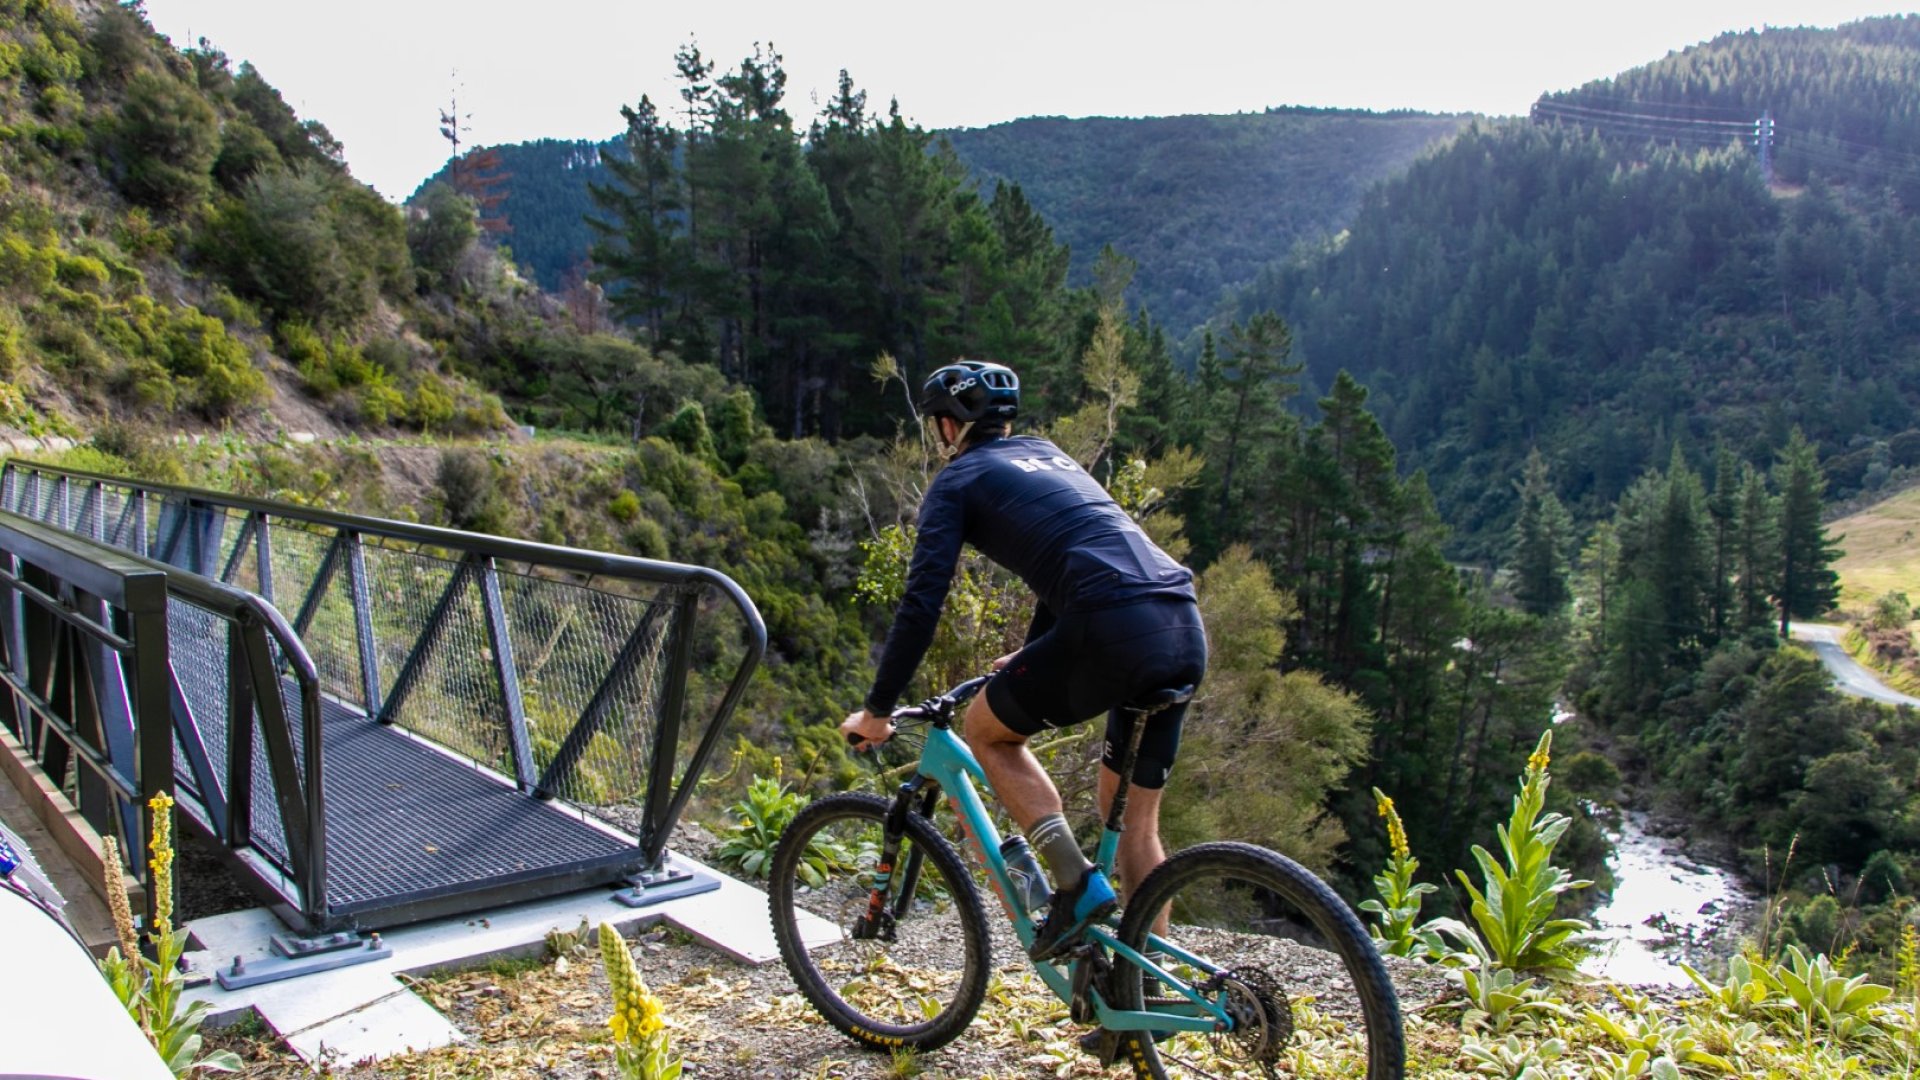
[[910, 875], [880, 915]]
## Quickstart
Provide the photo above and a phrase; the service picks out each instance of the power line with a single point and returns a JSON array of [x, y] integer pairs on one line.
[[1724, 110], [1653, 123], [1568, 109]]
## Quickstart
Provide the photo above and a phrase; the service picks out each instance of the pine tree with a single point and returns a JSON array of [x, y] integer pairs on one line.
[[1257, 379], [1756, 548], [636, 254], [1542, 534], [1807, 584]]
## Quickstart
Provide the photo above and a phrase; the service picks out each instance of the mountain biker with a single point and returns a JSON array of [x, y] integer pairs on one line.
[[1115, 618]]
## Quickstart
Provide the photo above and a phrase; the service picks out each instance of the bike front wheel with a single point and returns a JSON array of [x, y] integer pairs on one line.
[[1282, 955], [892, 957]]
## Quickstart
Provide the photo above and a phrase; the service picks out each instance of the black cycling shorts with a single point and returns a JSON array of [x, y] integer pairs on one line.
[[1094, 662]]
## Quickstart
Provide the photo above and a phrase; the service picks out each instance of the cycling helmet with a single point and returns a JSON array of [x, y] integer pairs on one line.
[[970, 391]]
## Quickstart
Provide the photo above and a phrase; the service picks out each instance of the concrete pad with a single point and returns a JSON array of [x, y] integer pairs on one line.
[[393, 1025], [366, 1011], [294, 1005], [735, 920]]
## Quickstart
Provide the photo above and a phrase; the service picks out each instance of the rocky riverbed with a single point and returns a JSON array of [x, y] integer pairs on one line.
[[1670, 905]]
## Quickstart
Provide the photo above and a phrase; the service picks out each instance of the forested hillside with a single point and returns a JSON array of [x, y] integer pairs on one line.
[[1616, 277], [1201, 203]]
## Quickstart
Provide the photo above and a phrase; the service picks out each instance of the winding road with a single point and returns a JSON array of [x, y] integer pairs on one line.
[[1849, 677]]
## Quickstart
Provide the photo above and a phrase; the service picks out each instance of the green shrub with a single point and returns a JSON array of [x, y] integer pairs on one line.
[[12, 348], [196, 342], [283, 244], [430, 405], [688, 431], [232, 310], [139, 237], [624, 506], [66, 346], [759, 819], [1891, 611], [245, 152], [470, 491], [48, 60], [390, 355], [476, 415], [58, 104], [120, 43], [647, 539], [228, 385], [168, 137], [351, 367], [26, 266], [1882, 877], [381, 402], [299, 344], [88, 306], [81, 272], [147, 382]]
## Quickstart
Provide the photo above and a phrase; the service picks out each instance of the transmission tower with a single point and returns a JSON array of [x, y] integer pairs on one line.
[[1763, 144]]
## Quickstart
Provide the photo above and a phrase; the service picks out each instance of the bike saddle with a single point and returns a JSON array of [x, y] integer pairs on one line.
[[1154, 701]]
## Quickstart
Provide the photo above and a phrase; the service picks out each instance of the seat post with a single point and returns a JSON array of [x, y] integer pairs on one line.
[[1137, 712], [1136, 730]]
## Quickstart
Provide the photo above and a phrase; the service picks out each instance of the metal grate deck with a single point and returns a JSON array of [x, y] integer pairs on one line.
[[410, 829]]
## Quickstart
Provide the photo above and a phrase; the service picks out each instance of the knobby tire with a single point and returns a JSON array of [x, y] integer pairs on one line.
[[1335, 924], [924, 853]]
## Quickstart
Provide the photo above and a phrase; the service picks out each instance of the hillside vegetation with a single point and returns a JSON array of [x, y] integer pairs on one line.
[[1604, 291], [177, 247], [1200, 202]]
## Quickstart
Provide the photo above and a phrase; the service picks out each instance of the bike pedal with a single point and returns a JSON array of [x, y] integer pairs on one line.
[[1104, 1045], [1092, 970]]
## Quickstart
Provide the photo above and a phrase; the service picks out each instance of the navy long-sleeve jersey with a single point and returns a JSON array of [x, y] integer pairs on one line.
[[1029, 507]]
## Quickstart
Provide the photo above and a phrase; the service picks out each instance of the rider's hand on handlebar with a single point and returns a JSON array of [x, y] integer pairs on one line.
[[865, 730], [1004, 660]]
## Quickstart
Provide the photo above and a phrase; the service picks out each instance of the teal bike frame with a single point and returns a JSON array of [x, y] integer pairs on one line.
[[946, 763]]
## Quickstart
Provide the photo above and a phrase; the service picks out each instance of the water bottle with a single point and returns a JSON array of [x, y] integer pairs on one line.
[[1030, 887]]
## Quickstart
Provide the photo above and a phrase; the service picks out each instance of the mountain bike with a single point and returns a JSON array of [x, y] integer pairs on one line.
[[1228, 960]]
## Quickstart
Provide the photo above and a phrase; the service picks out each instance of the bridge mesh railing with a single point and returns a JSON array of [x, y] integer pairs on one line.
[[174, 694], [565, 672]]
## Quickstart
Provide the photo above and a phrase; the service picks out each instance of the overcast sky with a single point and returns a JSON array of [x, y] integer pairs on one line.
[[377, 73]]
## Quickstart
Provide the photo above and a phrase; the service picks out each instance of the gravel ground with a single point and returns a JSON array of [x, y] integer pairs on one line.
[[730, 1020]]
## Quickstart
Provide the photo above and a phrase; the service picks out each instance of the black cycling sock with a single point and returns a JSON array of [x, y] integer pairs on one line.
[[1052, 837]]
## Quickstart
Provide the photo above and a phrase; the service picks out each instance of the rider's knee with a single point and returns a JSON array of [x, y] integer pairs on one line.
[[984, 731]]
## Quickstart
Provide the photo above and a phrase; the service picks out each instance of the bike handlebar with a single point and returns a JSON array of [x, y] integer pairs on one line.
[[938, 706]]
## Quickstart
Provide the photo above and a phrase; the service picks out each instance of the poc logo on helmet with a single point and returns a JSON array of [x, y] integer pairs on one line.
[[1048, 464]]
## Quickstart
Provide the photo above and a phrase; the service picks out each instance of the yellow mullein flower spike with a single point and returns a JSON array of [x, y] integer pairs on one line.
[[160, 852], [1396, 830], [1537, 762]]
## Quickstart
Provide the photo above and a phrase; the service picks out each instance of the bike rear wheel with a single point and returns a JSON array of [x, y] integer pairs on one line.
[[913, 978], [1302, 979]]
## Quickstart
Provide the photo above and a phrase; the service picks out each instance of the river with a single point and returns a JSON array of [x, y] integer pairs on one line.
[[1666, 907]]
